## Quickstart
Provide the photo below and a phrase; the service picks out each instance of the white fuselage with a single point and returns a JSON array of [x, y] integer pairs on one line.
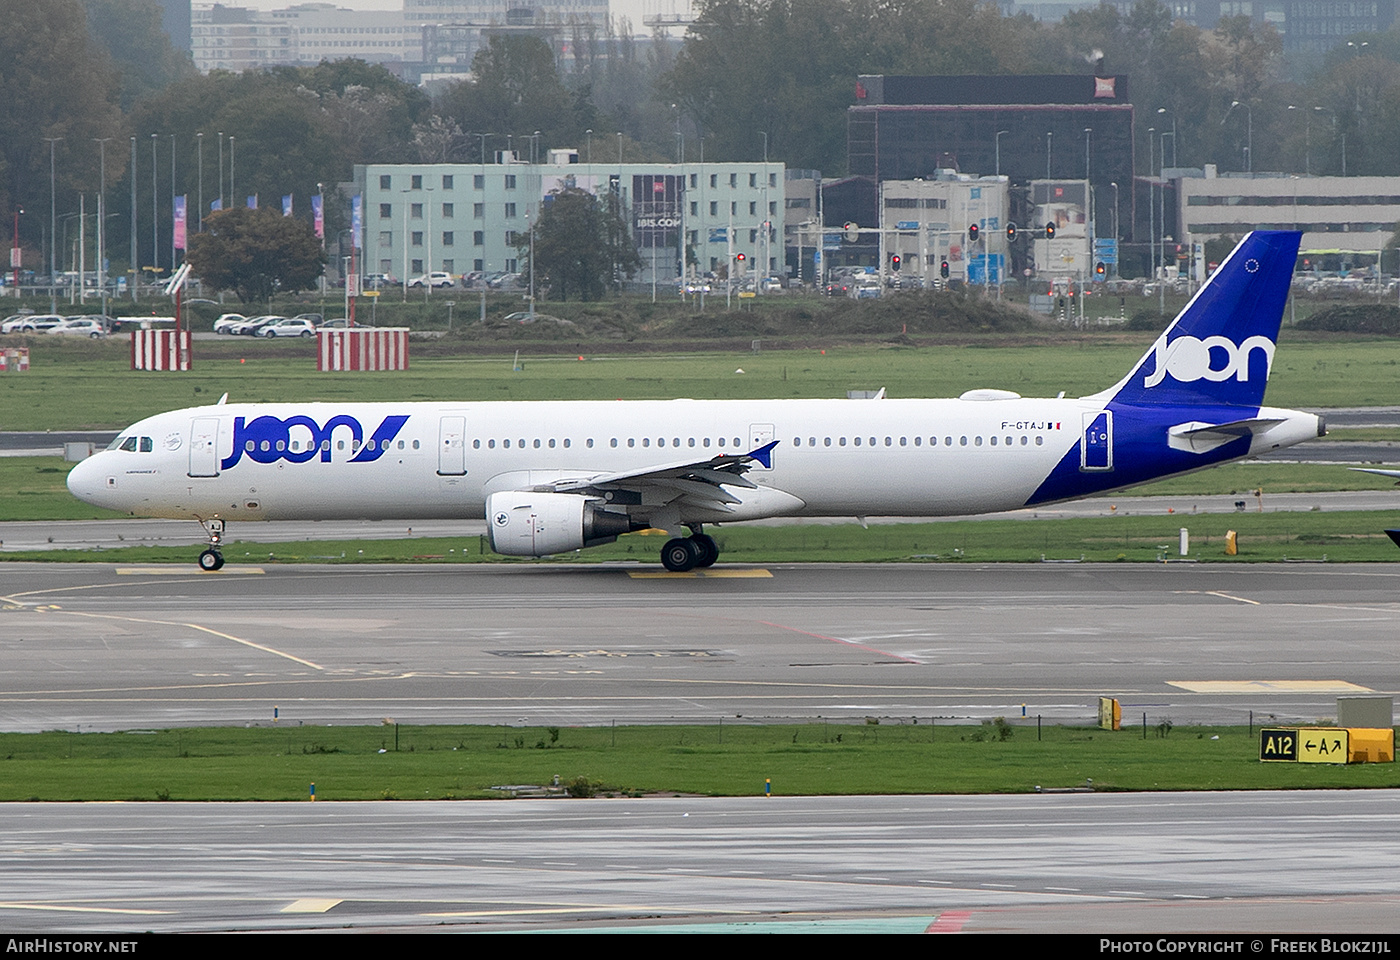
[[833, 457]]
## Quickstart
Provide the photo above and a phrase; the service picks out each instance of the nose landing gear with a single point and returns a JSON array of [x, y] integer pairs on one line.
[[211, 559]]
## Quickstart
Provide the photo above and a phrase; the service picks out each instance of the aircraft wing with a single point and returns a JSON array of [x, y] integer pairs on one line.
[[1393, 474], [698, 482]]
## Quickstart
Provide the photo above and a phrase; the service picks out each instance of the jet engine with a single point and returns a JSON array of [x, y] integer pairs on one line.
[[523, 523]]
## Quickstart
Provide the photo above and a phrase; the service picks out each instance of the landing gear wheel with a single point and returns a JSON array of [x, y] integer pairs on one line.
[[680, 555], [211, 560], [709, 550]]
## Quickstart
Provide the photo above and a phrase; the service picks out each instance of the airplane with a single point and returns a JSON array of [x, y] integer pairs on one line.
[[556, 476]]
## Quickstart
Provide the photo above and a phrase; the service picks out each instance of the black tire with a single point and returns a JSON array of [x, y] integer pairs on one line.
[[708, 549], [307, 334], [211, 560], [680, 555]]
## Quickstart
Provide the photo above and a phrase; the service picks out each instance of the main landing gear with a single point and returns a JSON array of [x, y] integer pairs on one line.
[[687, 553], [211, 559]]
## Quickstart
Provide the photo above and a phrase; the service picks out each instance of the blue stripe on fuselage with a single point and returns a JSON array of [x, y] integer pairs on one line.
[[1141, 452]]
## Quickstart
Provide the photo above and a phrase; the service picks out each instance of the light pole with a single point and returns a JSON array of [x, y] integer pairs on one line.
[[589, 132], [15, 254], [1151, 205], [483, 137], [155, 222], [172, 202], [199, 198], [1114, 185], [1161, 111], [1048, 135], [221, 169], [405, 245], [232, 190], [428, 262], [53, 207], [131, 266], [1307, 140], [1249, 132], [101, 208], [997, 140]]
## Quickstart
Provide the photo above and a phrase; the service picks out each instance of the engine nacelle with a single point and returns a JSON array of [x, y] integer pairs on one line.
[[527, 524]]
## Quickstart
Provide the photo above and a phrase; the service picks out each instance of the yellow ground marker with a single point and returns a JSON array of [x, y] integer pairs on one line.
[[311, 905]]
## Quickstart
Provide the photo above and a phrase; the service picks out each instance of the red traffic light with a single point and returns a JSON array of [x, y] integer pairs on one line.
[[1011, 233], [973, 232], [740, 257], [894, 262], [943, 269], [1049, 231], [1100, 269]]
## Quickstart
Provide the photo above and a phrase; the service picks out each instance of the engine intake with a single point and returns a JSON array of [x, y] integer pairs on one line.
[[523, 523]]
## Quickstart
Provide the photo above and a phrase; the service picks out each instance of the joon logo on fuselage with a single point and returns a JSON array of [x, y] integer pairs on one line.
[[268, 439]]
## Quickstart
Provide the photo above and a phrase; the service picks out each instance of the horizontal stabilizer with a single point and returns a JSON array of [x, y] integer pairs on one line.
[[1197, 437], [1393, 474]]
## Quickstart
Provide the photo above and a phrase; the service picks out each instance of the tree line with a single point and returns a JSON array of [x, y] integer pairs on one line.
[[81, 78]]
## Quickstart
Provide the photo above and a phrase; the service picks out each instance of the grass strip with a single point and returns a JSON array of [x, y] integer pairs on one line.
[[91, 386], [1343, 536], [732, 758]]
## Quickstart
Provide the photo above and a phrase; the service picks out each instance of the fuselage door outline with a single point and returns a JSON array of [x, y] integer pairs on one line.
[[1096, 450], [760, 434], [204, 447], [452, 446]]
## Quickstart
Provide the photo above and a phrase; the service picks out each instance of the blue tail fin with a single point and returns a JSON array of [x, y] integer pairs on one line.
[[1220, 347]]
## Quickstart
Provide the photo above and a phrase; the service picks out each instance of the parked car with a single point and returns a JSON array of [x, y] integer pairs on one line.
[[11, 324], [228, 321], [378, 281], [287, 327], [335, 323], [39, 323], [436, 278], [251, 326], [79, 327]]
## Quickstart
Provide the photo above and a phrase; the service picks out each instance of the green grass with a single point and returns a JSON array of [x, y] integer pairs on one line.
[[722, 759], [35, 489], [89, 386], [1268, 537]]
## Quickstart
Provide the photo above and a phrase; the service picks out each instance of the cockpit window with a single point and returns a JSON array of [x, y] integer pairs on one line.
[[128, 444], [116, 442], [147, 445]]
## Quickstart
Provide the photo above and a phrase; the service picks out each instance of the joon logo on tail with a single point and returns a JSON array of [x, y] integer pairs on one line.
[[268, 439], [1217, 358]]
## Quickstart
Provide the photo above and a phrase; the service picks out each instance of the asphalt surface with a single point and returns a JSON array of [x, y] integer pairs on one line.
[[1273, 863], [102, 647], [95, 646]]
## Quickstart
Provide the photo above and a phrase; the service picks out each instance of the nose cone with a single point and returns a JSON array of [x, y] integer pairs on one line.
[[87, 482]]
